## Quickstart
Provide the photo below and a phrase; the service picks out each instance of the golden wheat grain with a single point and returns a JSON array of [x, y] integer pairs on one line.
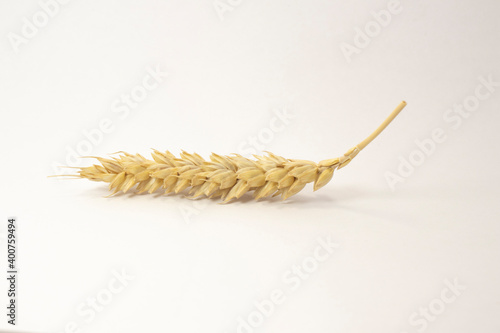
[[227, 177]]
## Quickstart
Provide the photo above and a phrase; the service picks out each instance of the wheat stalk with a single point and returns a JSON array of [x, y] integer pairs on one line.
[[227, 177]]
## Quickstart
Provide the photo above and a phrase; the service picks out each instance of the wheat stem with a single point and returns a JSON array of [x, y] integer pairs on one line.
[[351, 153], [379, 130]]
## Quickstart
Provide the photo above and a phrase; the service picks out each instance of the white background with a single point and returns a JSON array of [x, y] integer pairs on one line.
[[200, 266]]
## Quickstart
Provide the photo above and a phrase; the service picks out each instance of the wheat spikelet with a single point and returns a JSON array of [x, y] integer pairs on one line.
[[225, 177]]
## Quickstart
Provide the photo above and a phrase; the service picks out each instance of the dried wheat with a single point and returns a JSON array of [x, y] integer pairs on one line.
[[227, 177]]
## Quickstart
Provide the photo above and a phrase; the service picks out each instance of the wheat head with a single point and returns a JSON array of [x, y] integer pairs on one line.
[[225, 177]]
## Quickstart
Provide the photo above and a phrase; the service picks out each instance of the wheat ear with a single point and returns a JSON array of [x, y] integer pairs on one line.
[[227, 177]]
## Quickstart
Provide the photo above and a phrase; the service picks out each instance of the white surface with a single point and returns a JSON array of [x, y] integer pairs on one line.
[[199, 274]]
